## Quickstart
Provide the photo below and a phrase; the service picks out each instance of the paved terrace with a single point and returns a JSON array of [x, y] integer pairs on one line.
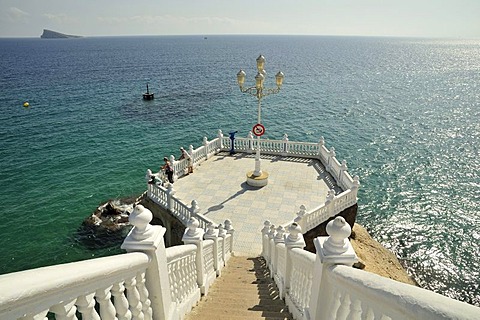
[[219, 185]]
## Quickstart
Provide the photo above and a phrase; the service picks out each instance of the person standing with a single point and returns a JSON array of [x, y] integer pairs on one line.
[[168, 169], [186, 156]]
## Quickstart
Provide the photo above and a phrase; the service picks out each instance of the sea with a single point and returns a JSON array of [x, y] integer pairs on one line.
[[403, 112]]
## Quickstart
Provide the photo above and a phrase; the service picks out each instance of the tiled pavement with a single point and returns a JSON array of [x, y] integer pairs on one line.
[[220, 188]]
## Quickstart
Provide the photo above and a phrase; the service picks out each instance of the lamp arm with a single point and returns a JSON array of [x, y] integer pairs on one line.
[[267, 92], [253, 91]]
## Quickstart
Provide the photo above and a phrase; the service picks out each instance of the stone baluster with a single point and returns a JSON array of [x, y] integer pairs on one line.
[[220, 139], [229, 229], [170, 193], [212, 234], [250, 142], [120, 302], [86, 307], [271, 247], [65, 311], [300, 217], [285, 145], [331, 250], [265, 247], [143, 291], [294, 239], [205, 147], [149, 239], [133, 297], [107, 309], [194, 235]]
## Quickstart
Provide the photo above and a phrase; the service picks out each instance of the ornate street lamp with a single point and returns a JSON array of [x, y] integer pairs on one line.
[[257, 177]]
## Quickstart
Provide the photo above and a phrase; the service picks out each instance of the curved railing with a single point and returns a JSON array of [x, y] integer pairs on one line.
[[334, 204], [165, 198]]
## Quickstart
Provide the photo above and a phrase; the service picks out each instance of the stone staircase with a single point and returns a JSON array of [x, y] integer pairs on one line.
[[244, 291]]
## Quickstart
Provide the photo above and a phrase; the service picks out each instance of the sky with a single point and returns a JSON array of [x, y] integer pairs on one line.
[[410, 18]]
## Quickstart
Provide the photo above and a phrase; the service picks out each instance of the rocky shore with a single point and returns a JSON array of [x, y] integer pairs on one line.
[[376, 258]]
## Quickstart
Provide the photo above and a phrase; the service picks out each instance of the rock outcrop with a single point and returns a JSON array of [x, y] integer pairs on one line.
[[49, 34], [107, 226]]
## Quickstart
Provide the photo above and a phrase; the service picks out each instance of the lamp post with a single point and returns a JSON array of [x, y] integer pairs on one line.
[[257, 177]]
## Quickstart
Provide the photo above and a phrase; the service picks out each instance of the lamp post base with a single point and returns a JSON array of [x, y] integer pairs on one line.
[[257, 181]]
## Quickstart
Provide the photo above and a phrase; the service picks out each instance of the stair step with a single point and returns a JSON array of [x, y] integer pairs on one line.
[[244, 291]]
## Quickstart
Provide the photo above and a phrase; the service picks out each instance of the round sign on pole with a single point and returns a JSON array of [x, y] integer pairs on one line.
[[258, 130]]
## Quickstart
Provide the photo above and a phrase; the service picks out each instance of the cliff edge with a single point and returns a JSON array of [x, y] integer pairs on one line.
[[49, 34]]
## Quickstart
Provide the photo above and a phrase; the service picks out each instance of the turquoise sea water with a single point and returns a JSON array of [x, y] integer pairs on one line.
[[404, 113]]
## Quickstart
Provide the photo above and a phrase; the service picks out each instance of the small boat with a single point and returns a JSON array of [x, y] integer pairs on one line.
[[147, 95]]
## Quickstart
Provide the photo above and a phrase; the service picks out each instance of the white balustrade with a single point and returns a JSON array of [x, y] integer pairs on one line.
[[182, 275], [165, 197], [63, 288], [148, 282], [325, 286], [301, 279]]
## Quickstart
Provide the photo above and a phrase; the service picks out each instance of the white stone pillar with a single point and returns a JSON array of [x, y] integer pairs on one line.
[[250, 142], [285, 145], [329, 202], [175, 171], [222, 234], [147, 178], [331, 155], [170, 193], [341, 174], [294, 239], [212, 234], [220, 139], [299, 219], [277, 240], [149, 239], [194, 235], [229, 229], [205, 147], [321, 144], [356, 185], [331, 250], [194, 209], [271, 247], [191, 161], [265, 231]]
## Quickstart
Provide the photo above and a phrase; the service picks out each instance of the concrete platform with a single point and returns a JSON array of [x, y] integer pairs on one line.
[[220, 188]]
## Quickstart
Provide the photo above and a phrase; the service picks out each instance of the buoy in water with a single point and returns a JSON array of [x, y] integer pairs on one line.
[[26, 104]]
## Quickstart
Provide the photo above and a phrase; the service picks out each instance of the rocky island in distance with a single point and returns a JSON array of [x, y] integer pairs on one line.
[[49, 34]]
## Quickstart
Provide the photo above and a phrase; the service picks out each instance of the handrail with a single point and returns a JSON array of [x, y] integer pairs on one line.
[[333, 206], [359, 292], [150, 282], [166, 199], [325, 286], [43, 289]]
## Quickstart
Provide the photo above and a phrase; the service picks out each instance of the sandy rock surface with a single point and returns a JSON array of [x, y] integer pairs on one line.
[[378, 259]]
